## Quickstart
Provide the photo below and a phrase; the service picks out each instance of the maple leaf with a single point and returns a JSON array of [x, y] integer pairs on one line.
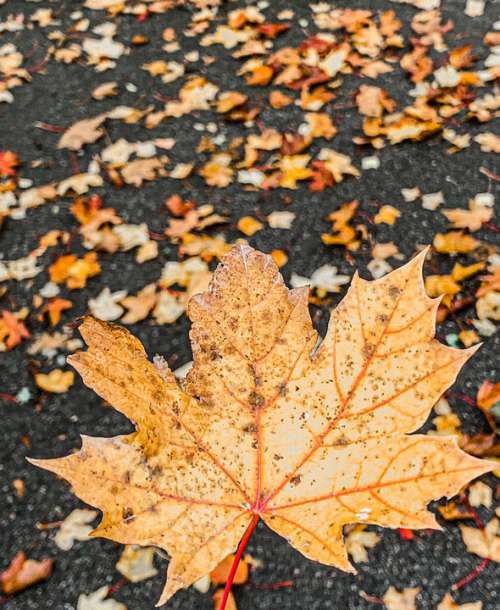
[[267, 425], [86, 131], [74, 527]]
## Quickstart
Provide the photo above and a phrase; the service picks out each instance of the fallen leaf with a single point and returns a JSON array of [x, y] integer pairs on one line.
[[105, 90], [387, 215], [483, 542], [278, 100], [401, 600], [83, 132], [320, 125], [168, 307], [55, 307], [281, 220], [489, 142], [140, 170], [343, 233], [487, 397], [325, 279], [468, 337], [460, 273], [220, 573], [229, 100], [136, 563], [98, 601], [57, 381], [139, 306], [279, 257], [293, 168], [18, 485], [373, 101], [217, 172], [471, 219], [480, 494], [79, 183], [249, 225], [105, 305], [337, 164], [447, 603], [75, 527], [249, 327], [22, 573], [358, 540], [230, 604], [8, 163], [73, 271], [12, 330], [488, 306], [431, 201], [455, 242], [147, 251]]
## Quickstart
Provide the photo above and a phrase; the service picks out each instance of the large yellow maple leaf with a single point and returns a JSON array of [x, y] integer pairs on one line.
[[269, 425]]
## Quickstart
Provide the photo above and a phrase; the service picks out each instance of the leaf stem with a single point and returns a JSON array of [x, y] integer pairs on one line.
[[241, 547], [471, 576]]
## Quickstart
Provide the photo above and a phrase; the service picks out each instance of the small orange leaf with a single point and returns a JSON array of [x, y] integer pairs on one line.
[[55, 307], [249, 225], [12, 330], [74, 271], [279, 100], [260, 76], [56, 382], [230, 604], [8, 163], [387, 215], [468, 337], [220, 574], [229, 100], [455, 242], [279, 257]]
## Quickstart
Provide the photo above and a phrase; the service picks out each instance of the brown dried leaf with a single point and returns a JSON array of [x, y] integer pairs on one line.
[[312, 439]]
